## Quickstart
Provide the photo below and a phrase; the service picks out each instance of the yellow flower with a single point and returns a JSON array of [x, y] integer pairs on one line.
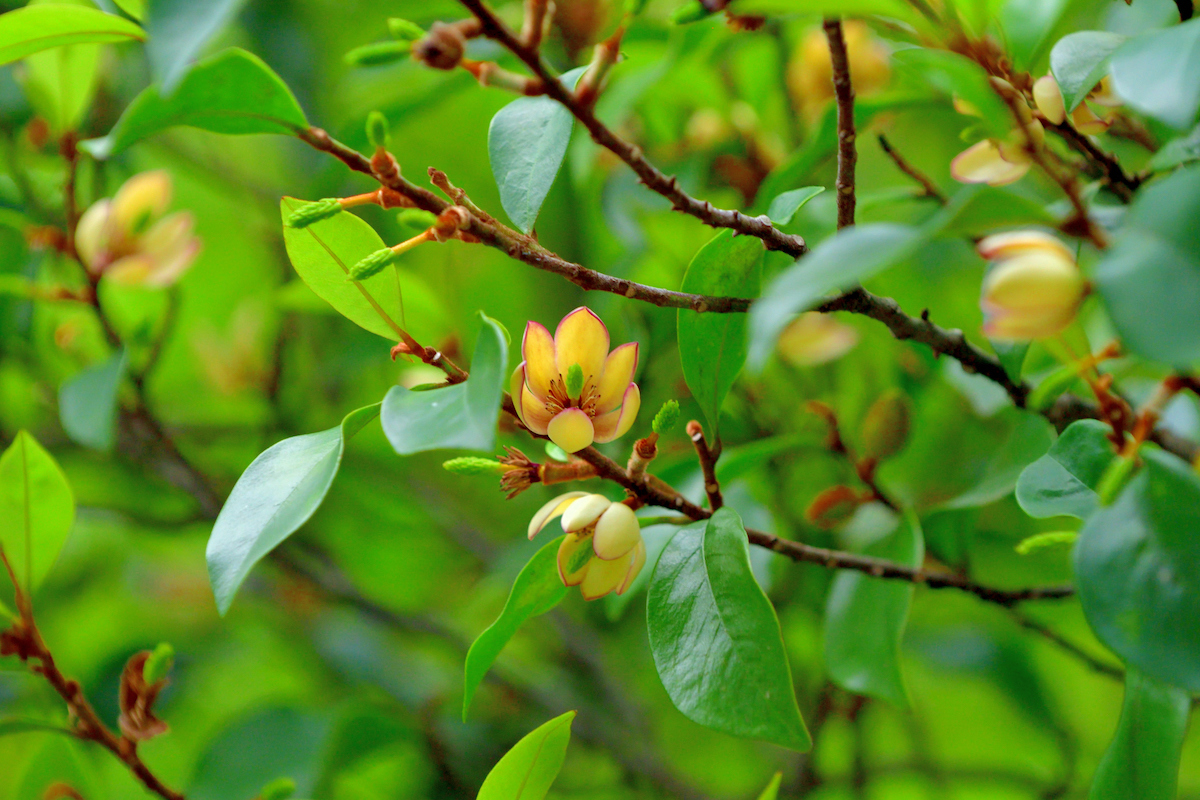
[[997, 162], [810, 73], [1034, 288], [1049, 100], [603, 550], [127, 238], [570, 388]]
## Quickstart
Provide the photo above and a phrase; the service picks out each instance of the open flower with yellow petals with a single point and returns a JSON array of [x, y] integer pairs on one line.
[[1034, 288], [603, 550], [570, 388]]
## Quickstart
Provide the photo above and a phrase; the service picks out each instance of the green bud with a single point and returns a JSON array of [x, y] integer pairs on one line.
[[574, 380], [473, 465], [378, 53], [158, 664], [692, 11], [278, 789], [885, 428], [372, 264], [416, 219], [378, 130], [1115, 476], [666, 417], [312, 212], [404, 30], [1040, 541]]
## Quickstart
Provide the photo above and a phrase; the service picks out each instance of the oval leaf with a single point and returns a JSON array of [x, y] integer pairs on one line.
[[536, 590], [785, 206], [40, 27], [1029, 440], [1063, 482], [712, 347], [530, 767], [459, 416], [37, 509], [1137, 564], [87, 404], [716, 640], [231, 92], [276, 494], [865, 619], [1158, 73], [178, 30], [527, 141], [1079, 60]]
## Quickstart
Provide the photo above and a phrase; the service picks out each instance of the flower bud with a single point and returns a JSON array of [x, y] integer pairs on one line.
[[416, 219], [815, 338], [885, 428], [603, 550], [312, 212], [833, 506], [378, 54], [404, 30], [158, 664], [378, 133], [372, 264], [1049, 99], [1000, 246], [666, 417], [1033, 291], [473, 465]]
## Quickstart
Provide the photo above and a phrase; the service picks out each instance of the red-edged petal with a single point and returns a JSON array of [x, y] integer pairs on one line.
[[616, 424], [551, 510], [571, 429], [537, 348], [534, 413], [616, 377], [582, 339]]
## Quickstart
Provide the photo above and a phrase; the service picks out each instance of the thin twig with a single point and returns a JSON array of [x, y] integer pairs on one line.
[[1068, 646], [70, 154], [1105, 164], [847, 147], [708, 465], [930, 188]]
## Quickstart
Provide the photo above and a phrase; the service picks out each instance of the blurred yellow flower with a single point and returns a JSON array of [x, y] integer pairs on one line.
[[997, 162], [1034, 288], [810, 73], [603, 550], [815, 338]]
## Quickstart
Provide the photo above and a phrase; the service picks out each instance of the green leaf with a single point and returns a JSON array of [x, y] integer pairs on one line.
[[178, 30], [715, 638], [1142, 761], [527, 141], [955, 75], [1178, 151], [785, 206], [34, 28], [1137, 565], [87, 403], [771, 791], [1079, 61], [60, 82], [980, 209], [536, 590], [1029, 440], [1012, 357], [323, 253], [839, 262], [134, 8], [37, 509], [231, 92], [1063, 482], [530, 767], [1159, 246], [1158, 73], [712, 347], [462, 415], [276, 494], [865, 619]]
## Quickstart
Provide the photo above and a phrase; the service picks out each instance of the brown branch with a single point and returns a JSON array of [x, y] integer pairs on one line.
[[708, 465], [930, 188], [1105, 164], [654, 179], [843, 89], [70, 154]]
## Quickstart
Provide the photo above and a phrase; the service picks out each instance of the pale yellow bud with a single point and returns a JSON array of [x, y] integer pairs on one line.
[[1032, 295], [142, 199], [1049, 99], [1001, 246]]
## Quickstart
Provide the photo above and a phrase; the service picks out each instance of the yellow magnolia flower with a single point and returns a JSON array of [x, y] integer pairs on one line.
[[570, 388], [810, 73], [1049, 100], [998, 162], [127, 238], [603, 550], [1034, 288]]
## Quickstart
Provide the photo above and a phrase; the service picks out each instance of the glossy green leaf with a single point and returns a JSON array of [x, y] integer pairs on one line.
[[37, 509], [1029, 440], [178, 30], [785, 206], [1063, 482], [87, 403], [232, 92], [1158, 73], [460, 416], [323, 253], [715, 638], [1159, 246], [39, 27], [527, 142], [1012, 357], [865, 619], [134, 8], [979, 209], [1079, 61], [536, 590], [1142, 761], [530, 767], [1137, 565], [60, 82], [837, 263], [712, 347], [57, 759], [276, 494]]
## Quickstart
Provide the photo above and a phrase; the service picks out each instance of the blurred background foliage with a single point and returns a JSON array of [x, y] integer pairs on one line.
[[340, 665]]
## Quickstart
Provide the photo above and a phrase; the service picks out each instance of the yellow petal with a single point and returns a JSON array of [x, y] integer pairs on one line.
[[130, 270], [1049, 99], [1103, 95], [616, 424], [566, 552], [551, 510], [1034, 280], [170, 269], [604, 576], [515, 384], [582, 339], [1086, 122], [537, 348], [143, 198], [534, 413], [584, 512], [639, 561], [982, 163], [616, 377], [92, 234], [571, 429], [1000, 246], [617, 532], [815, 338]]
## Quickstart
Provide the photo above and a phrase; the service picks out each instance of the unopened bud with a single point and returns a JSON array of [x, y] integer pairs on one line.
[[666, 417], [377, 54], [404, 30], [312, 212], [158, 664], [278, 789], [1049, 99], [1041, 541], [473, 465], [416, 219], [833, 506], [1006, 245], [378, 133], [1033, 295], [442, 47], [372, 264], [885, 428], [692, 11]]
